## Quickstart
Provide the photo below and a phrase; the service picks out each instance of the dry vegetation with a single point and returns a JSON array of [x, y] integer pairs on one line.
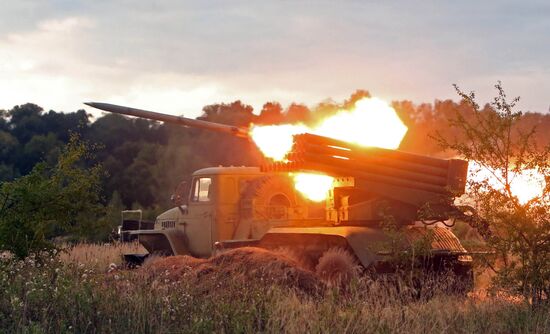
[[245, 290], [99, 256]]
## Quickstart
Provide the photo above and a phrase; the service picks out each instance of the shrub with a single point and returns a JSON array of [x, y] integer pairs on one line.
[[50, 201], [518, 230]]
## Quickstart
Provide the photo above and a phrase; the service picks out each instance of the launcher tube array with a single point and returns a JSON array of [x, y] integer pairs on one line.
[[313, 153]]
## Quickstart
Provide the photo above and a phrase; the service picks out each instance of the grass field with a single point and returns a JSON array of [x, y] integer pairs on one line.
[[82, 292]]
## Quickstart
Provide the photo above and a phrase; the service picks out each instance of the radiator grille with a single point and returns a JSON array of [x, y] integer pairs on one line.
[[168, 224]]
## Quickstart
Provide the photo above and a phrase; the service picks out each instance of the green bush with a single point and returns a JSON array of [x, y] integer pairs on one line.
[[49, 202], [517, 230]]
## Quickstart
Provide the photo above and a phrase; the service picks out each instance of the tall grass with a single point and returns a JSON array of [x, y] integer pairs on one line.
[[99, 256], [60, 296]]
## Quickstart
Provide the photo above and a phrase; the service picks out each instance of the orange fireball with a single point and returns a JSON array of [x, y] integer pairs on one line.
[[275, 141], [372, 122], [313, 186]]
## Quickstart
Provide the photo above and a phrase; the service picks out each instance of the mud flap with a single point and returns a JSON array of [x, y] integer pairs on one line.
[[134, 260], [164, 242]]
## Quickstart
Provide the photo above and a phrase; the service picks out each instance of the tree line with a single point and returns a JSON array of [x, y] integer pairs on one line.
[[144, 160]]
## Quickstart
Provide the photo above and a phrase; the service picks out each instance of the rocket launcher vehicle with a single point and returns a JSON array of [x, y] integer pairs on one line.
[[367, 179]]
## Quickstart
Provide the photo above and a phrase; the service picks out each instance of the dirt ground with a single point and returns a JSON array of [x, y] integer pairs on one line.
[[247, 263]]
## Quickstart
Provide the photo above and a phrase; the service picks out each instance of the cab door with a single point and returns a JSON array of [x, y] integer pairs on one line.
[[198, 219]]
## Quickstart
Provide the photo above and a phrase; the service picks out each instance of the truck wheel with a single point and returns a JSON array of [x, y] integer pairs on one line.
[[303, 259], [337, 267]]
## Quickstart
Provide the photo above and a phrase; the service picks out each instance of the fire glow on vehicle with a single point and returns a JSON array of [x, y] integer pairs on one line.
[[371, 122]]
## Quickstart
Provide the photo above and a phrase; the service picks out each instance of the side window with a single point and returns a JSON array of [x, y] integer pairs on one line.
[[201, 189]]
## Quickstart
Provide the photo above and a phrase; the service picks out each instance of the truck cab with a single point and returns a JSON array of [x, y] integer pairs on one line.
[[223, 203]]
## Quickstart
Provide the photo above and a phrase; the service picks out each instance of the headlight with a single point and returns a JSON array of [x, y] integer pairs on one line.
[[464, 258]]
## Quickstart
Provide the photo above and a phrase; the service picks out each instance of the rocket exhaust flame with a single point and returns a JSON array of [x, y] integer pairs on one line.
[[372, 122], [275, 141], [313, 186], [527, 185]]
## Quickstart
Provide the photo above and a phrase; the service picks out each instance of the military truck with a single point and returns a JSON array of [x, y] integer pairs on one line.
[[224, 203], [228, 207]]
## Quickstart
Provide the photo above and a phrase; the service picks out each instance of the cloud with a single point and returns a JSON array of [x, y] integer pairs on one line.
[[178, 56]]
